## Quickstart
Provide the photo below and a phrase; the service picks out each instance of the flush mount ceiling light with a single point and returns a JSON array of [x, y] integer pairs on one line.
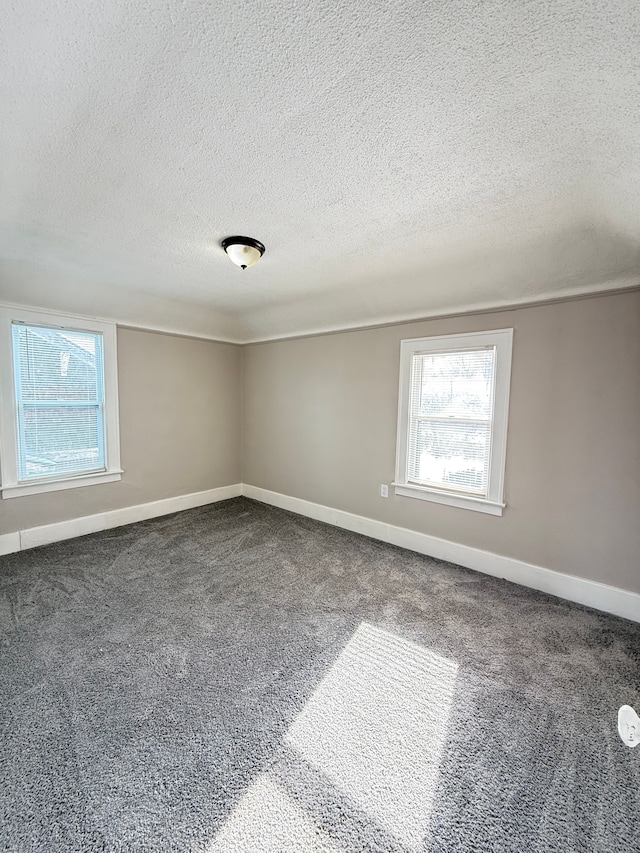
[[243, 251]]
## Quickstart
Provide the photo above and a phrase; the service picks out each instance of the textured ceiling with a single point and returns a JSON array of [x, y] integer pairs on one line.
[[398, 159]]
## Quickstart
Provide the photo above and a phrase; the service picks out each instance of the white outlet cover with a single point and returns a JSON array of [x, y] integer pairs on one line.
[[384, 491], [629, 726]]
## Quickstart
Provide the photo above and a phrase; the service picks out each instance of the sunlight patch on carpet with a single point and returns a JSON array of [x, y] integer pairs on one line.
[[376, 727], [267, 820]]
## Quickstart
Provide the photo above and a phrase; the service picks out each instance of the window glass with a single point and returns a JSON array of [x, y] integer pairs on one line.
[[59, 392], [450, 419]]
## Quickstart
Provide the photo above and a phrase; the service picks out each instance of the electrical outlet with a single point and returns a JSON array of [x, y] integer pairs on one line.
[[384, 490], [629, 725]]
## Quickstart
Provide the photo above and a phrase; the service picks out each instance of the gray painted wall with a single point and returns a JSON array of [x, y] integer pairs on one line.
[[179, 429], [320, 424], [320, 421]]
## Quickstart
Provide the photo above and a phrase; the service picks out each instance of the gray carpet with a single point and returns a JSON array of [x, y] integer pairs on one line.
[[238, 678]]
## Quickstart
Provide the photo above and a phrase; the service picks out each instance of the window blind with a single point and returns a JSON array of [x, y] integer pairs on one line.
[[59, 392], [450, 419]]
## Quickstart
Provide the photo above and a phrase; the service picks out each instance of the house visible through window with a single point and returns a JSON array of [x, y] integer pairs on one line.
[[59, 427], [453, 419], [60, 417]]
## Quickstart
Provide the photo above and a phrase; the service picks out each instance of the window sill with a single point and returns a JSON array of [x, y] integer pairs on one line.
[[20, 490], [423, 493]]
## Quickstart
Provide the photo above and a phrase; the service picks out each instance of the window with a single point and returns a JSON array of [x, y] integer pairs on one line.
[[59, 404], [452, 419]]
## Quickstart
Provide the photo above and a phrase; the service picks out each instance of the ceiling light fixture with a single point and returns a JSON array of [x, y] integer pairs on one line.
[[243, 251]]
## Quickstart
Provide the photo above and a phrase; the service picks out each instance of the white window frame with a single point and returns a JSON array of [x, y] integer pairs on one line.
[[11, 486], [502, 340]]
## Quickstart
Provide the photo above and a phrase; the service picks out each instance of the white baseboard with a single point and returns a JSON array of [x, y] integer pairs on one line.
[[34, 536], [611, 599], [601, 596], [9, 542]]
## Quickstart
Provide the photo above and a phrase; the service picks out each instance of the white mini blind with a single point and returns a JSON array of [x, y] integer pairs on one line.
[[59, 393], [450, 419]]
